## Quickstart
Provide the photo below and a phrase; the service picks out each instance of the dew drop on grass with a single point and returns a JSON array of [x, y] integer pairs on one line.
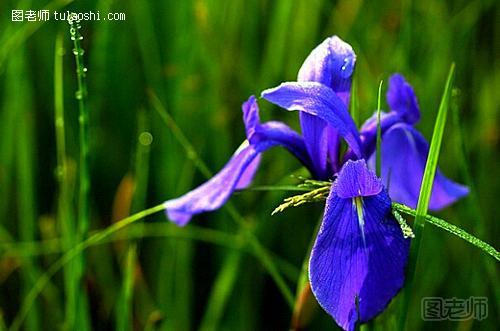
[[78, 95], [145, 138], [78, 51]]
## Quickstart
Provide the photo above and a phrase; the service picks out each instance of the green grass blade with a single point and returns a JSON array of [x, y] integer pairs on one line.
[[378, 165], [65, 214], [25, 154], [425, 194], [149, 230], [354, 102], [221, 290], [124, 314], [14, 40], [453, 229], [44, 279], [83, 212]]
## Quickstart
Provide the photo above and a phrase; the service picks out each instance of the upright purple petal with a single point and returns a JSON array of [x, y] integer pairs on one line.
[[358, 260], [333, 139], [331, 63], [314, 132], [318, 100], [402, 99], [251, 117], [404, 155], [403, 106]]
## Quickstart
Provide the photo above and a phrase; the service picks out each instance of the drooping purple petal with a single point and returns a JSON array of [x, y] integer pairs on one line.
[[215, 192], [247, 175], [357, 265], [404, 155], [402, 99], [239, 171], [318, 100], [331, 63]]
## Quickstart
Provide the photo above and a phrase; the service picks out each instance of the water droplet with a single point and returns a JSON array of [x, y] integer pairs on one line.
[[78, 95], [145, 138], [78, 51], [85, 69]]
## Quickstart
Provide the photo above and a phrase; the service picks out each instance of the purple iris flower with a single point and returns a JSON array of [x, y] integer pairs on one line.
[[358, 259], [404, 150]]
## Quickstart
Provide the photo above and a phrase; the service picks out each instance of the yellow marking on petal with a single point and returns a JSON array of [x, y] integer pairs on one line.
[[358, 203]]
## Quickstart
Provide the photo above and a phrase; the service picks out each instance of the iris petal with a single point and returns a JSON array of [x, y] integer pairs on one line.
[[402, 99], [239, 171], [404, 155], [332, 64], [318, 100], [357, 266], [215, 192], [404, 109], [313, 130]]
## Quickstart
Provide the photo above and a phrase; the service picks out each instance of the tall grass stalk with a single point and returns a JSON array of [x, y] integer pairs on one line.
[[378, 165], [425, 195], [124, 316], [83, 210], [25, 151], [65, 214]]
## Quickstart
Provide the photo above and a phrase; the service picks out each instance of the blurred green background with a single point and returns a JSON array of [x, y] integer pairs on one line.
[[202, 59]]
